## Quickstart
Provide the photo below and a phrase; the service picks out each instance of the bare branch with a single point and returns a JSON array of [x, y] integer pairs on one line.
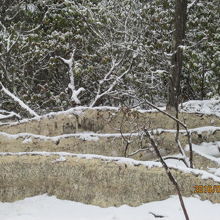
[[169, 174], [137, 151], [175, 158], [179, 122], [111, 87]]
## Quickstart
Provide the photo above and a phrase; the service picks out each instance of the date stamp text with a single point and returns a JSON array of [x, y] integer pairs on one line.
[[206, 189]]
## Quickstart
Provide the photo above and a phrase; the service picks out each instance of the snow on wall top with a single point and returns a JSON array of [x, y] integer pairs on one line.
[[207, 107], [149, 164], [91, 136]]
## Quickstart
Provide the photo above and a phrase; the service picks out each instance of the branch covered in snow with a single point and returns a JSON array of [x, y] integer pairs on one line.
[[4, 115], [19, 101], [190, 6], [70, 63], [108, 77]]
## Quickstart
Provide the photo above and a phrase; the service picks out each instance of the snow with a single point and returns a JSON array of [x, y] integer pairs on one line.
[[6, 114], [71, 65], [150, 110], [75, 93], [86, 136], [215, 171], [149, 164], [190, 5], [199, 130], [209, 151], [61, 159], [44, 207], [208, 107], [175, 162], [91, 136], [27, 140], [76, 111], [80, 109], [16, 99], [212, 148], [128, 161], [209, 129]]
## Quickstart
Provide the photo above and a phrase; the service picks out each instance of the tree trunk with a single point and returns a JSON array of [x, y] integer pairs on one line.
[[177, 57]]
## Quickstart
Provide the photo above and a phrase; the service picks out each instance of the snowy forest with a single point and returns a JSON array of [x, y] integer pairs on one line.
[[109, 109], [58, 54]]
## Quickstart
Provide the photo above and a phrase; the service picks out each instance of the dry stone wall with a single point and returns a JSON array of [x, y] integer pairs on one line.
[[108, 145], [92, 181], [105, 121], [95, 181]]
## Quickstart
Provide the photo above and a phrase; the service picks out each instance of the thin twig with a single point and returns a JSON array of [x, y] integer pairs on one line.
[[182, 124], [177, 139], [169, 174], [137, 151], [174, 158], [128, 142]]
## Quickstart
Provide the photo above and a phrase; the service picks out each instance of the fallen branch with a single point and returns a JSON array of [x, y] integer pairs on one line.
[[156, 215]]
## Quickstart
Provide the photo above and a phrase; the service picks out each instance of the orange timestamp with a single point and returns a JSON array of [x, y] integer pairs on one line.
[[206, 189]]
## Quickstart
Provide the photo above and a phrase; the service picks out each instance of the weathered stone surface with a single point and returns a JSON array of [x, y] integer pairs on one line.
[[203, 163], [96, 182], [102, 145], [105, 121]]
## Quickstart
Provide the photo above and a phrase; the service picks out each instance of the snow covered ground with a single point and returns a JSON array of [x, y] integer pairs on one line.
[[50, 208], [211, 149], [209, 107]]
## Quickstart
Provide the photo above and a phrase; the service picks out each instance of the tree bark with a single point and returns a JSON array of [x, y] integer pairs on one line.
[[177, 57]]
